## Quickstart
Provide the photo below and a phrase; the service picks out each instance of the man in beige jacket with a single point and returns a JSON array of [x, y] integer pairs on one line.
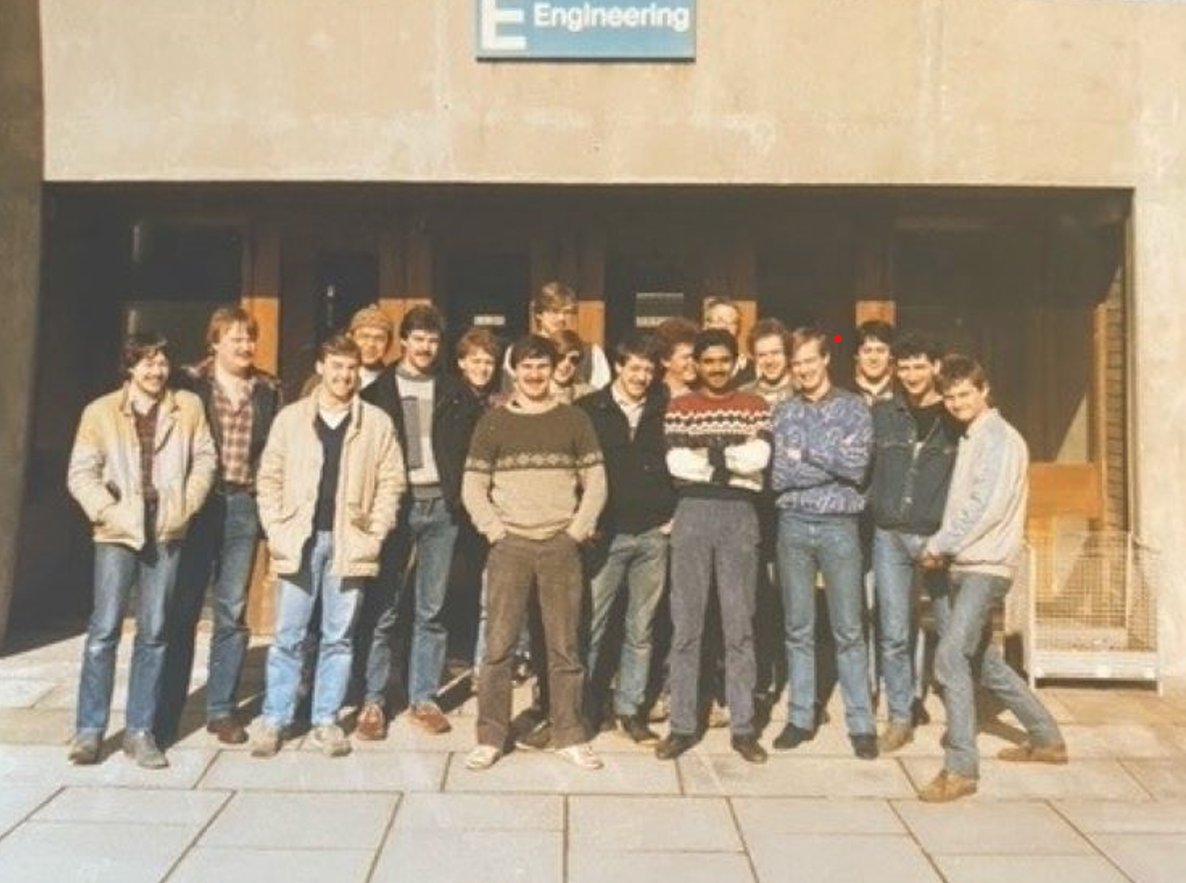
[[142, 464], [329, 485]]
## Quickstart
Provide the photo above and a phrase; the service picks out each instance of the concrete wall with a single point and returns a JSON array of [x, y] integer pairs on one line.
[[979, 92], [20, 249]]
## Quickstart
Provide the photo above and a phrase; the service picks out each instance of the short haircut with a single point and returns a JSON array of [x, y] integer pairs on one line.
[[642, 346], [478, 339], [339, 345], [672, 332], [422, 317], [711, 337], [875, 329], [768, 328], [911, 345], [805, 335], [956, 367], [141, 345], [225, 318], [553, 296], [568, 341], [533, 346]]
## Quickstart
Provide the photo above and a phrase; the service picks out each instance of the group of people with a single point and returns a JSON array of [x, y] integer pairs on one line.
[[686, 473]]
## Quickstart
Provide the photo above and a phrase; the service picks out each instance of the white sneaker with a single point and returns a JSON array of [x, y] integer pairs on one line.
[[581, 755], [482, 757], [330, 740]]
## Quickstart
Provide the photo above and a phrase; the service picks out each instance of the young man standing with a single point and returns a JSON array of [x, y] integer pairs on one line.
[[534, 485], [980, 541], [676, 338], [372, 329], [630, 547], [725, 314], [718, 446], [874, 363], [822, 442], [142, 464], [329, 485], [434, 416], [915, 441], [768, 343], [240, 402], [553, 310]]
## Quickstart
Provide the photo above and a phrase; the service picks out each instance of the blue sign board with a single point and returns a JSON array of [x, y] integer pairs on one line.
[[586, 29]]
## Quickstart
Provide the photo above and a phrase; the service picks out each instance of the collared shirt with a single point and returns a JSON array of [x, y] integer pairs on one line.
[[632, 410], [146, 436], [874, 394], [235, 419]]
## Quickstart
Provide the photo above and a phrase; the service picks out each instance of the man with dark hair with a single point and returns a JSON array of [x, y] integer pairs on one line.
[[240, 401], [142, 464], [630, 547], [329, 485], [534, 485], [980, 541], [433, 415], [725, 314], [822, 441], [718, 446], [915, 441], [675, 338], [873, 361]]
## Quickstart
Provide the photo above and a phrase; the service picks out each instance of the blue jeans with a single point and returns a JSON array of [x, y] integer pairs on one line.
[[218, 552], [296, 596], [831, 544], [429, 530], [640, 562], [895, 556], [117, 570], [967, 656]]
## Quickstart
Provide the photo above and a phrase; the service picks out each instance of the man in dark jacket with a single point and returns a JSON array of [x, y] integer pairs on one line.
[[434, 416], [915, 442], [240, 402], [630, 547]]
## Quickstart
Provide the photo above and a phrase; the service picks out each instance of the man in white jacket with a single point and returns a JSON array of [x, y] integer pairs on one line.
[[981, 539]]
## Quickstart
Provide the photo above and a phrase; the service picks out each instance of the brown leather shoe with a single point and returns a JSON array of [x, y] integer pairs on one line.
[[1027, 753], [946, 787], [228, 730], [372, 723], [430, 717]]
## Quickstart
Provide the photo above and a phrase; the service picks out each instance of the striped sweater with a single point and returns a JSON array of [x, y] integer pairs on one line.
[[718, 447]]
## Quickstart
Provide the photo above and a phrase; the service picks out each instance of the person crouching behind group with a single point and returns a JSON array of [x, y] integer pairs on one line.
[[329, 485]]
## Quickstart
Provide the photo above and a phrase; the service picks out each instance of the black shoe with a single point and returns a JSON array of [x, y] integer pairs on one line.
[[673, 746], [635, 728], [864, 746], [919, 714], [749, 749], [792, 737]]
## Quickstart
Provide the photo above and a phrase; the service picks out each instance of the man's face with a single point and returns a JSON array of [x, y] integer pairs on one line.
[[873, 360], [235, 349], [770, 358], [420, 350], [681, 367], [373, 342], [339, 377], [553, 321], [715, 368], [965, 401], [809, 367], [634, 377], [533, 378], [150, 374], [722, 316], [917, 375], [477, 367]]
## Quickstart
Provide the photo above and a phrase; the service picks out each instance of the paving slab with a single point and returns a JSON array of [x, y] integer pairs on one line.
[[1164, 779], [18, 801], [1125, 817], [59, 852], [799, 776], [204, 864], [133, 805], [591, 866], [468, 856], [47, 764], [23, 693], [887, 858], [1119, 741], [307, 771], [1080, 779], [651, 824], [995, 868], [1146, 858], [815, 815], [36, 726], [289, 820], [481, 812], [991, 827], [543, 772]]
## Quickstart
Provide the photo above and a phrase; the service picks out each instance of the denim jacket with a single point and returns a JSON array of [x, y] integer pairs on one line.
[[910, 475]]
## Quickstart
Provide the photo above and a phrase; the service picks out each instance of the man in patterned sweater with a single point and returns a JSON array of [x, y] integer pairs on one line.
[[718, 445], [534, 485]]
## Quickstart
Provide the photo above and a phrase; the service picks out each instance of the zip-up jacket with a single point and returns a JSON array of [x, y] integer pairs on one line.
[[910, 474]]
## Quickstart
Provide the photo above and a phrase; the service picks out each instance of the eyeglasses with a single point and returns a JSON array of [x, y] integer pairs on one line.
[[571, 358]]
